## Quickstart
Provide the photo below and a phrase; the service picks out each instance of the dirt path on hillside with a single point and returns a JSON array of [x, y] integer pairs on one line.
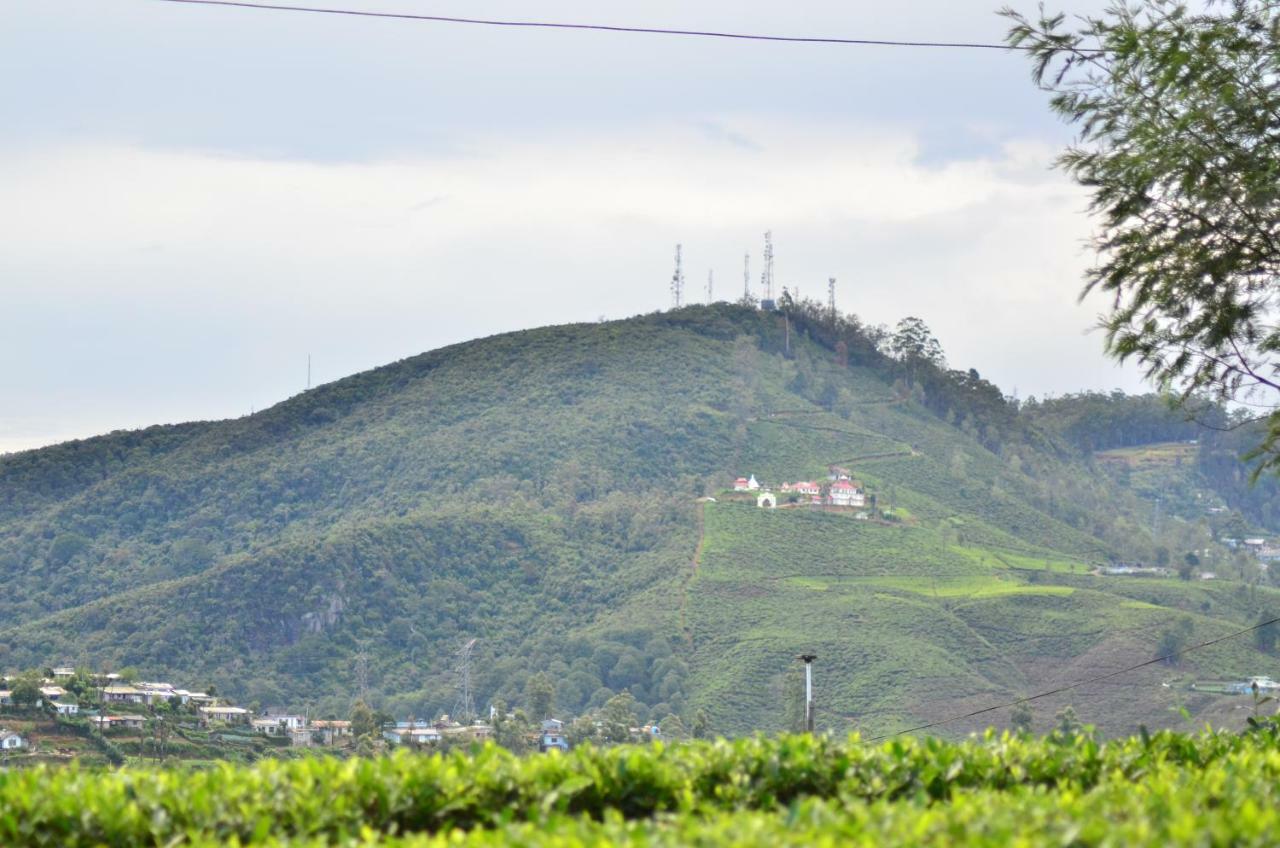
[[690, 574]]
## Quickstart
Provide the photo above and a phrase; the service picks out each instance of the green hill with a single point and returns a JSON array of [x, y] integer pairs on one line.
[[544, 492]]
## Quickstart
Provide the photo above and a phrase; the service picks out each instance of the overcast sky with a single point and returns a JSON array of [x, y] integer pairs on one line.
[[192, 199]]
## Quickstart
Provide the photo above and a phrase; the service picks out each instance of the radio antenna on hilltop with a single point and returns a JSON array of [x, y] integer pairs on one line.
[[711, 282], [831, 296], [677, 280], [766, 276], [746, 276]]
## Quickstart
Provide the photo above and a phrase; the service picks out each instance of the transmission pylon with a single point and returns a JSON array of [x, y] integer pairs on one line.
[[677, 281], [464, 709]]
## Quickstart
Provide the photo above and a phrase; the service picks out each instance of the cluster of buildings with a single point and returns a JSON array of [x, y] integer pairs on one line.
[[434, 732], [839, 490], [1265, 550], [121, 705]]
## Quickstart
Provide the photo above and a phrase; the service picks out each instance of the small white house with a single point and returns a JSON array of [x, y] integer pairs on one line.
[[123, 695], [66, 707], [10, 741], [229, 715], [847, 493], [767, 500]]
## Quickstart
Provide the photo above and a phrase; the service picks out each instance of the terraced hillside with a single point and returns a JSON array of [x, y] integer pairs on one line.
[[542, 492]]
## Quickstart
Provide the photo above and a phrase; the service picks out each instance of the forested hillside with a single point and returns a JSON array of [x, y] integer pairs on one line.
[[546, 493]]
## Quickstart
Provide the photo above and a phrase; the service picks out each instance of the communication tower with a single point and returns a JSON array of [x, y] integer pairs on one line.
[[831, 297], [766, 276], [746, 276], [711, 282], [677, 281]]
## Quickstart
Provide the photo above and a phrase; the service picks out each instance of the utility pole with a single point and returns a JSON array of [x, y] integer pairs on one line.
[[808, 690]]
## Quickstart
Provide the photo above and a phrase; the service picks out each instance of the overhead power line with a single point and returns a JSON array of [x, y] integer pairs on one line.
[[795, 39], [1075, 685]]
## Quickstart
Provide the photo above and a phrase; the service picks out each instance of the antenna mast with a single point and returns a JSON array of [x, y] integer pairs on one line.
[[711, 282], [746, 276], [677, 280], [465, 709], [766, 276], [831, 296]]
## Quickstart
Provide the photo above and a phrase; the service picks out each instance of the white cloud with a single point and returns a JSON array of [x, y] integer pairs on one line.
[[194, 284]]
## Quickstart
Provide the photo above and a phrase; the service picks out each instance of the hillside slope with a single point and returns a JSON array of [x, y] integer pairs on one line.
[[540, 491]]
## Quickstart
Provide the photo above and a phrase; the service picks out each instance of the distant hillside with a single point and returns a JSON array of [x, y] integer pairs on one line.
[[544, 492]]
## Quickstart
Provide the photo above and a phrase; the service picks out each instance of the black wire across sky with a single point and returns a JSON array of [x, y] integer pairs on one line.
[[793, 39]]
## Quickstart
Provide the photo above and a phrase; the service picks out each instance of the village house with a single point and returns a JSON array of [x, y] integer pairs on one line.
[[63, 672], [279, 725], [1126, 569], [802, 488], [10, 741], [552, 736], [412, 731], [6, 698], [648, 733], [226, 715], [64, 706], [156, 691], [846, 493], [330, 731], [743, 484], [118, 722], [52, 693], [767, 500], [123, 695]]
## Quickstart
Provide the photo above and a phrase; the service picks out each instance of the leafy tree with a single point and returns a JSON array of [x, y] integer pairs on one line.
[[673, 728], [1177, 112], [1068, 723], [914, 345], [65, 546], [1020, 717], [26, 690], [540, 694], [1173, 640], [701, 724], [1265, 637], [363, 722], [618, 717]]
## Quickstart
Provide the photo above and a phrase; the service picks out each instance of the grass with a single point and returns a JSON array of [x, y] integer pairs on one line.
[[908, 625]]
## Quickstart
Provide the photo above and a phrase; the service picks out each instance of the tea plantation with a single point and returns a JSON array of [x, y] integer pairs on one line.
[[1215, 788]]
